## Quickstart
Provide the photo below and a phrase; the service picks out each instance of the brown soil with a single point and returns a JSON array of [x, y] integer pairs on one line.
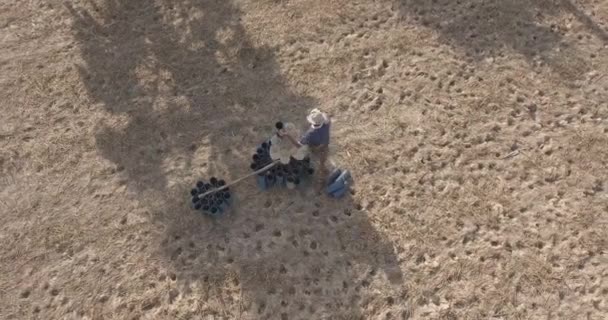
[[477, 132]]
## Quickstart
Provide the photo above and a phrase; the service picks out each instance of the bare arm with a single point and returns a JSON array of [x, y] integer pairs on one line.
[[293, 140]]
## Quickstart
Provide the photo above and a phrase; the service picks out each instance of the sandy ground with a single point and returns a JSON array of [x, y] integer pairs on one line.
[[477, 132]]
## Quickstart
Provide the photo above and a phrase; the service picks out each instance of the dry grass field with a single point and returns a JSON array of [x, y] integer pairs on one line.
[[477, 132]]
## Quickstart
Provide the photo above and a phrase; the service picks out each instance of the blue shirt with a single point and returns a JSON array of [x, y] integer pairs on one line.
[[316, 136]]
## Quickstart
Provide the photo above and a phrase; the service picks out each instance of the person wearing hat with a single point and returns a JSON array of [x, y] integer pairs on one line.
[[317, 140]]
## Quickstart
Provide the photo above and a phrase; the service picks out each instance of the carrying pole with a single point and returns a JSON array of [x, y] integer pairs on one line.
[[200, 196]]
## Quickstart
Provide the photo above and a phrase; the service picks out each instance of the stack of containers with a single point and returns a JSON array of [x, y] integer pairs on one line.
[[289, 175], [213, 204]]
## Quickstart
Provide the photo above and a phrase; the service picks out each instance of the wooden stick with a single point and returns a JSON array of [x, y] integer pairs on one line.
[[200, 196]]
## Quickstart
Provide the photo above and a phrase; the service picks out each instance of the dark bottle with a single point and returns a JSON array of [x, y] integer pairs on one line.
[[194, 192], [199, 184], [256, 157], [311, 171], [204, 201], [198, 206], [207, 186], [264, 145], [195, 199], [205, 208], [254, 166], [296, 181], [213, 181], [221, 183], [226, 196], [213, 210], [260, 151], [279, 125]]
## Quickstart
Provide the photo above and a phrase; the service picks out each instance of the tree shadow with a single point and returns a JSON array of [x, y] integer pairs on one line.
[[297, 257], [585, 20], [184, 81], [197, 80], [486, 29]]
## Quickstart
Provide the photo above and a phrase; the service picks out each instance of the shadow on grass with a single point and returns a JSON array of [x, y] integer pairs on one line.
[[181, 78], [484, 29]]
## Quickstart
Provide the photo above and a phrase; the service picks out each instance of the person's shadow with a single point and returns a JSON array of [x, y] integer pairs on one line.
[[188, 94]]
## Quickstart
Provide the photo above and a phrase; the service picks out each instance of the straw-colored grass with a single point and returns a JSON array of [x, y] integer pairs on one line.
[[476, 132]]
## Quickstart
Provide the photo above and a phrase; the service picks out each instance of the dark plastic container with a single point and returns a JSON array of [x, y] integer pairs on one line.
[[227, 198], [271, 180]]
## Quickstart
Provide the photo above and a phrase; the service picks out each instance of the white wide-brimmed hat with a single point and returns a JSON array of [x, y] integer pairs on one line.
[[317, 118]]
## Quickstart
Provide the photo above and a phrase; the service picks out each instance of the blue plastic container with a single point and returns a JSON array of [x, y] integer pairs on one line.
[[340, 192], [262, 182], [341, 182], [333, 176], [280, 180], [271, 180]]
